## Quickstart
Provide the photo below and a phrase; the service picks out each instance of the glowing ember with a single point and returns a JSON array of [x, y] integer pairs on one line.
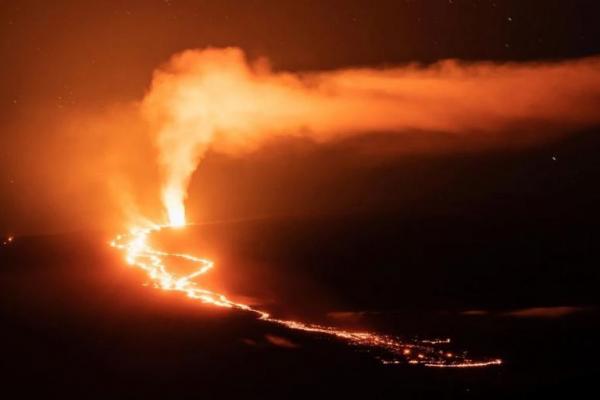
[[388, 349]]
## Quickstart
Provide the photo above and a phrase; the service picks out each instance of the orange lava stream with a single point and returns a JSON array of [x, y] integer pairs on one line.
[[389, 349]]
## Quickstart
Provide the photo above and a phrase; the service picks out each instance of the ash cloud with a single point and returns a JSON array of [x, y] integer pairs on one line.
[[216, 99]]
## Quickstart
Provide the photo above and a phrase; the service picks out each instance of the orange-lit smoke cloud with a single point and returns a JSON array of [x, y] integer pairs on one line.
[[216, 99]]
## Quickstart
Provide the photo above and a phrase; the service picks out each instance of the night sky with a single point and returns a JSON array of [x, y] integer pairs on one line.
[[54, 50]]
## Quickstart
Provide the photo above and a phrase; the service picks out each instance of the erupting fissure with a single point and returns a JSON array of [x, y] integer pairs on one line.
[[389, 349]]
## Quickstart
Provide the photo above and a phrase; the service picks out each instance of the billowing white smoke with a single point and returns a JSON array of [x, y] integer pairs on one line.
[[215, 99]]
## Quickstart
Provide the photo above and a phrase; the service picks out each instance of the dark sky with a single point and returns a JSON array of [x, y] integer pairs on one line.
[[61, 57], [76, 51]]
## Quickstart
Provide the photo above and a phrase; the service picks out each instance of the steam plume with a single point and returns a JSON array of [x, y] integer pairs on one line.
[[216, 99]]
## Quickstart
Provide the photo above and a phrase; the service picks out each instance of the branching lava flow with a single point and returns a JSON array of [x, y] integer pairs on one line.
[[389, 349]]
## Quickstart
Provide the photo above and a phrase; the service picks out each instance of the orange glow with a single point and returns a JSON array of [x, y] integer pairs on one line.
[[216, 100], [389, 349]]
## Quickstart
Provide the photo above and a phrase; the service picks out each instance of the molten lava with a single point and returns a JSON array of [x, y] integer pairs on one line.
[[389, 349]]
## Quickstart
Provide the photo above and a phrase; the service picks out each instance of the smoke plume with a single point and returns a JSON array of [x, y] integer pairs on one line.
[[216, 99]]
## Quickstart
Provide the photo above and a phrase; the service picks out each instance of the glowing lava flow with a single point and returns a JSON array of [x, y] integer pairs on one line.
[[388, 349]]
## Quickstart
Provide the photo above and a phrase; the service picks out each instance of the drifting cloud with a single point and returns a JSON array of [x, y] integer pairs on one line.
[[532, 312], [281, 341], [544, 312]]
